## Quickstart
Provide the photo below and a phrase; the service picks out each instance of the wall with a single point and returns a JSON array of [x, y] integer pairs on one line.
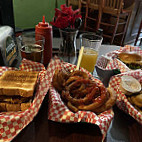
[[134, 23], [27, 13]]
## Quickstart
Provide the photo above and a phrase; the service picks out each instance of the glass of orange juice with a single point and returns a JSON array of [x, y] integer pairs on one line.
[[91, 43]]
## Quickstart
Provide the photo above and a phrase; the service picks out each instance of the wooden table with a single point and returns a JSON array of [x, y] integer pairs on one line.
[[122, 129]]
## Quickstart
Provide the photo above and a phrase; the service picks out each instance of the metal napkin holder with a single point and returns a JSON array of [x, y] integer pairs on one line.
[[8, 47]]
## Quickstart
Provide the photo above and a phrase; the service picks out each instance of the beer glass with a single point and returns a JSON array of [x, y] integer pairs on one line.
[[31, 46]]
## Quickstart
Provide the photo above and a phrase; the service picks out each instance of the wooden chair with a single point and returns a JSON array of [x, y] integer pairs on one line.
[[117, 21], [111, 17], [82, 3], [82, 7], [139, 32], [92, 7], [73, 2], [78, 3]]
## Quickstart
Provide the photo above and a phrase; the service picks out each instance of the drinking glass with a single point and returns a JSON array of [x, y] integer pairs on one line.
[[31, 46], [67, 50], [91, 43]]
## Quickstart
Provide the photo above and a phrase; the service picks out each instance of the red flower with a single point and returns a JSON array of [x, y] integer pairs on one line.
[[65, 17], [61, 22]]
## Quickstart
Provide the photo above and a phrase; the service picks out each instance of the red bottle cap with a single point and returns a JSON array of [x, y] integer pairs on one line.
[[43, 23]]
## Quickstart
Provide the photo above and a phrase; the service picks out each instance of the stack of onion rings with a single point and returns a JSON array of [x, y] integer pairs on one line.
[[79, 92]]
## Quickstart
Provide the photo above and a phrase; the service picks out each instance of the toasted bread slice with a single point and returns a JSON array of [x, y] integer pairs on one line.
[[19, 83], [6, 107]]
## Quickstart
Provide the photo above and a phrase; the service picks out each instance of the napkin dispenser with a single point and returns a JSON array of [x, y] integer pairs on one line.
[[8, 48]]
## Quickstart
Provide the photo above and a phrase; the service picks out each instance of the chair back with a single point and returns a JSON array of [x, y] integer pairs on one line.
[[83, 1], [112, 6], [93, 4], [73, 2]]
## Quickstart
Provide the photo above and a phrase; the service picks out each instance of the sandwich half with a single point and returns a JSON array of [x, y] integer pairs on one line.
[[17, 90], [131, 59]]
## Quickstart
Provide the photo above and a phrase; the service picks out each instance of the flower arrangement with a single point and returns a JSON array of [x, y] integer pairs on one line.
[[68, 21], [67, 18]]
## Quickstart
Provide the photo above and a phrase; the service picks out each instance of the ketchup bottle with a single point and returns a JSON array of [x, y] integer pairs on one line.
[[43, 28]]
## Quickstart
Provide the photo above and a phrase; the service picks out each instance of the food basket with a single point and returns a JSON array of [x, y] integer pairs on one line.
[[59, 112], [106, 64], [122, 101], [105, 67], [11, 123]]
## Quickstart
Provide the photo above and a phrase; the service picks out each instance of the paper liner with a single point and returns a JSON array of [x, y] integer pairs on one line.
[[107, 63], [110, 61], [126, 48], [59, 112], [11, 123], [122, 102]]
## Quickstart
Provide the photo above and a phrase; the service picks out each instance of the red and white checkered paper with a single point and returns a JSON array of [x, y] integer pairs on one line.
[[122, 102], [59, 112], [11, 123], [110, 61]]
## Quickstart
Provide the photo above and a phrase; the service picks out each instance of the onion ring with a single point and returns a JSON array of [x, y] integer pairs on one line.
[[87, 82], [79, 73], [109, 103], [59, 79], [79, 92], [55, 81], [80, 101], [71, 79], [100, 100], [72, 107]]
